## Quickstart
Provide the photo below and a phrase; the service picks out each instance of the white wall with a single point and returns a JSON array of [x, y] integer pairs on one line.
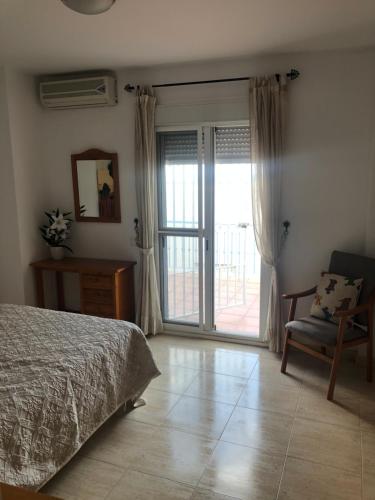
[[24, 121], [11, 280], [73, 131], [328, 183], [327, 169], [329, 163]]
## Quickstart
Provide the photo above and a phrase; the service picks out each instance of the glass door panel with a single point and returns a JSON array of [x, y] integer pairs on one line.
[[237, 262], [180, 232], [181, 185], [181, 279], [178, 179]]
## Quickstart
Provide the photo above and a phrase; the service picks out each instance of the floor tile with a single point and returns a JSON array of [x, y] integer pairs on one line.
[[162, 450], [297, 362], [191, 356], [84, 479], [242, 348], [243, 472], [326, 444], [230, 363], [158, 404], [162, 342], [222, 388], [199, 416], [315, 381], [344, 413], [352, 383], [174, 455], [175, 379], [368, 486], [119, 441], [266, 431], [135, 485], [203, 494], [262, 396], [312, 481], [268, 372], [368, 451], [355, 389], [169, 341], [367, 414], [342, 391]]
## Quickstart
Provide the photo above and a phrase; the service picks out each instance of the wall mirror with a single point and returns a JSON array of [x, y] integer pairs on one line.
[[96, 186]]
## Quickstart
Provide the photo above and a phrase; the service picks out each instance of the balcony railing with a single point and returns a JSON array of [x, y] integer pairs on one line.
[[237, 270], [237, 263]]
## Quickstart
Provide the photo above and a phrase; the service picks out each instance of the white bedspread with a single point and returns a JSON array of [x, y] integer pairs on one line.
[[61, 376]]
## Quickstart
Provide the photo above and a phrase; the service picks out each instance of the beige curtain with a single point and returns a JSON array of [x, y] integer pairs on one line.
[[148, 310], [267, 110]]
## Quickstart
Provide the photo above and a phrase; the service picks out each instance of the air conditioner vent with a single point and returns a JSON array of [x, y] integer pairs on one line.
[[79, 92]]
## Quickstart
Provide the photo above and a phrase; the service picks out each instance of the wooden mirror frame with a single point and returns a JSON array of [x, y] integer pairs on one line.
[[96, 154]]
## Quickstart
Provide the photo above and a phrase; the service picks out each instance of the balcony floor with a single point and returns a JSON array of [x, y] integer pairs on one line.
[[236, 308]]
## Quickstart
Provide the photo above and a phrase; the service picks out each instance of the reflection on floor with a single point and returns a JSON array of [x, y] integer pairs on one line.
[[222, 423]]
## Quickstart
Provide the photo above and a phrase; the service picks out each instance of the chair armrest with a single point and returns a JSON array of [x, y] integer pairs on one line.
[[306, 293], [354, 311]]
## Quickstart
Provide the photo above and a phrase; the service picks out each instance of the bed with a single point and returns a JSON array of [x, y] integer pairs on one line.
[[62, 375]]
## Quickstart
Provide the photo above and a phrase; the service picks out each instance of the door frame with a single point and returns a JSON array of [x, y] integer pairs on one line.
[[198, 232], [205, 235]]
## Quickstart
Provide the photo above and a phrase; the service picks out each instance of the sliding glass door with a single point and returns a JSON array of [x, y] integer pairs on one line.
[[237, 263], [210, 270], [180, 226]]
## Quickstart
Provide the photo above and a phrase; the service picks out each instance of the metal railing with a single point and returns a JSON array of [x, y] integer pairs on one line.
[[237, 268], [237, 263]]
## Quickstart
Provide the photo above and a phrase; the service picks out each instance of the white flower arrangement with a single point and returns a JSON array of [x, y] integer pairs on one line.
[[57, 231]]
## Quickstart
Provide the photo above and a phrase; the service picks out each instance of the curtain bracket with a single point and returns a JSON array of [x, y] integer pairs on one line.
[[286, 225]]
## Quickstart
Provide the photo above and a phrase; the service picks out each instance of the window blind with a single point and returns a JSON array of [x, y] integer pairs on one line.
[[179, 148], [232, 145]]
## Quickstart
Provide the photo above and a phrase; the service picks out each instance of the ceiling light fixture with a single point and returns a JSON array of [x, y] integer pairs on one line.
[[89, 6]]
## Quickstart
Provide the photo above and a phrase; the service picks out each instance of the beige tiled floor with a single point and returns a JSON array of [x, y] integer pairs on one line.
[[222, 423]]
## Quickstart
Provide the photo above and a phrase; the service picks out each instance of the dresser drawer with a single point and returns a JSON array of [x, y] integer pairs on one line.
[[104, 310], [97, 296], [97, 281]]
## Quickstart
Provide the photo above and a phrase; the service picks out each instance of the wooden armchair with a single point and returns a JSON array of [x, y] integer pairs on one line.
[[341, 336]]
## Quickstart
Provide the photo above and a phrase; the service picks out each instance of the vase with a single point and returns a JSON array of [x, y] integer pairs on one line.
[[57, 253]]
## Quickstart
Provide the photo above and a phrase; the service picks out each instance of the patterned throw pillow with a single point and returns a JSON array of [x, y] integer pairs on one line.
[[335, 293]]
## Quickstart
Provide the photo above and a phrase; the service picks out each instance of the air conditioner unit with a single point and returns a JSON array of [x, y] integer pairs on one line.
[[79, 92]]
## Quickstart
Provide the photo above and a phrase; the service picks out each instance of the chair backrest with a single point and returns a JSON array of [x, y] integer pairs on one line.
[[355, 266]]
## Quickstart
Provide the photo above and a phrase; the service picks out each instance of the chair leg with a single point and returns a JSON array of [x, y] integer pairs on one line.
[[334, 368], [285, 352], [369, 360]]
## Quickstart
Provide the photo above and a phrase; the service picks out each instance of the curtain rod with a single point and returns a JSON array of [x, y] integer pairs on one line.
[[292, 75]]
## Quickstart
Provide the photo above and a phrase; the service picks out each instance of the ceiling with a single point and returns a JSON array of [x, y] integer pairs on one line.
[[45, 36]]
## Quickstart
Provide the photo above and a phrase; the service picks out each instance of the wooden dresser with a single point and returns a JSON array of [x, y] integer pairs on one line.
[[106, 286]]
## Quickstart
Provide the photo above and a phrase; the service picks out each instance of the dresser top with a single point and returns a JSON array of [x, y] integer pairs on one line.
[[78, 265]]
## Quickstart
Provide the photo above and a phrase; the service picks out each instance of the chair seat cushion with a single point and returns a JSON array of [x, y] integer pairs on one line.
[[323, 332]]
